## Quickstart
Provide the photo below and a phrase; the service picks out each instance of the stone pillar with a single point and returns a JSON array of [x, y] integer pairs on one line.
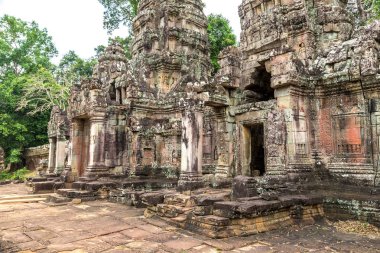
[[60, 155], [96, 159], [123, 94], [191, 149], [118, 95], [52, 154], [76, 149]]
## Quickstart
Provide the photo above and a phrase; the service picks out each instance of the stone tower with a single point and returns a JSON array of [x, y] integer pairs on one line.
[[111, 73], [171, 45]]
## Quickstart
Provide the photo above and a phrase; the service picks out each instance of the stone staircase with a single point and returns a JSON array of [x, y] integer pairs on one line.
[[216, 215], [121, 190], [48, 184], [85, 190]]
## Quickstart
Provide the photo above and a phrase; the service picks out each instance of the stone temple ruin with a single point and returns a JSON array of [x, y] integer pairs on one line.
[[287, 131]]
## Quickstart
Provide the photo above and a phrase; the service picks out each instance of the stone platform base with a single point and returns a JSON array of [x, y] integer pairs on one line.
[[214, 214], [130, 192], [44, 185], [353, 206]]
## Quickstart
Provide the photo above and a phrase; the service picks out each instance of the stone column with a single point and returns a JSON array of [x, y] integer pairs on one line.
[[118, 95], [60, 155], [76, 148], [191, 149], [96, 159], [225, 151], [123, 94], [52, 154]]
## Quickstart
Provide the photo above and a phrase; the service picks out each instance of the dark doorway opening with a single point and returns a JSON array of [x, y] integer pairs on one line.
[[112, 91], [257, 164], [260, 88]]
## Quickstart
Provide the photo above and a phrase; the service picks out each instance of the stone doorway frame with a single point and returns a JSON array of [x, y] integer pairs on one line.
[[246, 147], [81, 144]]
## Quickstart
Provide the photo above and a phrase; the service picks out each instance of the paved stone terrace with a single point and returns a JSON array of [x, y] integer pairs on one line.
[[101, 226]]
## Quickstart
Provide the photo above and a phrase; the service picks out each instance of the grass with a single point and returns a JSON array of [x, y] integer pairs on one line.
[[20, 174]]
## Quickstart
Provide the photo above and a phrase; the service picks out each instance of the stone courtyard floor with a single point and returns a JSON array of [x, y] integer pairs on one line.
[[100, 226]]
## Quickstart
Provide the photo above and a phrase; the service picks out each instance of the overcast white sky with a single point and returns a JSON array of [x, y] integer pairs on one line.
[[78, 24]]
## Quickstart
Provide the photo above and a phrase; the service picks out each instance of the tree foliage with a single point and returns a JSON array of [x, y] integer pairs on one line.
[[30, 85], [20, 174], [45, 89], [24, 50], [42, 92], [220, 36], [119, 12], [24, 47], [371, 8], [72, 68], [124, 42]]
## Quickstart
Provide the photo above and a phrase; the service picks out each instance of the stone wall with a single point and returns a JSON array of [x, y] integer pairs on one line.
[[34, 156], [340, 208]]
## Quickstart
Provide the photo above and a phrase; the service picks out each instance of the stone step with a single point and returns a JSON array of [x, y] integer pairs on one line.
[[180, 218], [149, 184], [216, 215], [178, 199], [20, 197], [138, 198], [87, 179], [19, 201], [37, 179], [171, 211], [72, 194], [5, 182], [212, 220], [45, 187], [93, 186], [127, 197], [210, 199], [57, 199], [155, 198]]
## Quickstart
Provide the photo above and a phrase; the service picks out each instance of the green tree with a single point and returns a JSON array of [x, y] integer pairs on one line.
[[45, 89], [72, 68], [124, 42], [24, 50], [12, 137], [220, 36], [371, 8], [119, 12], [43, 92], [24, 47]]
